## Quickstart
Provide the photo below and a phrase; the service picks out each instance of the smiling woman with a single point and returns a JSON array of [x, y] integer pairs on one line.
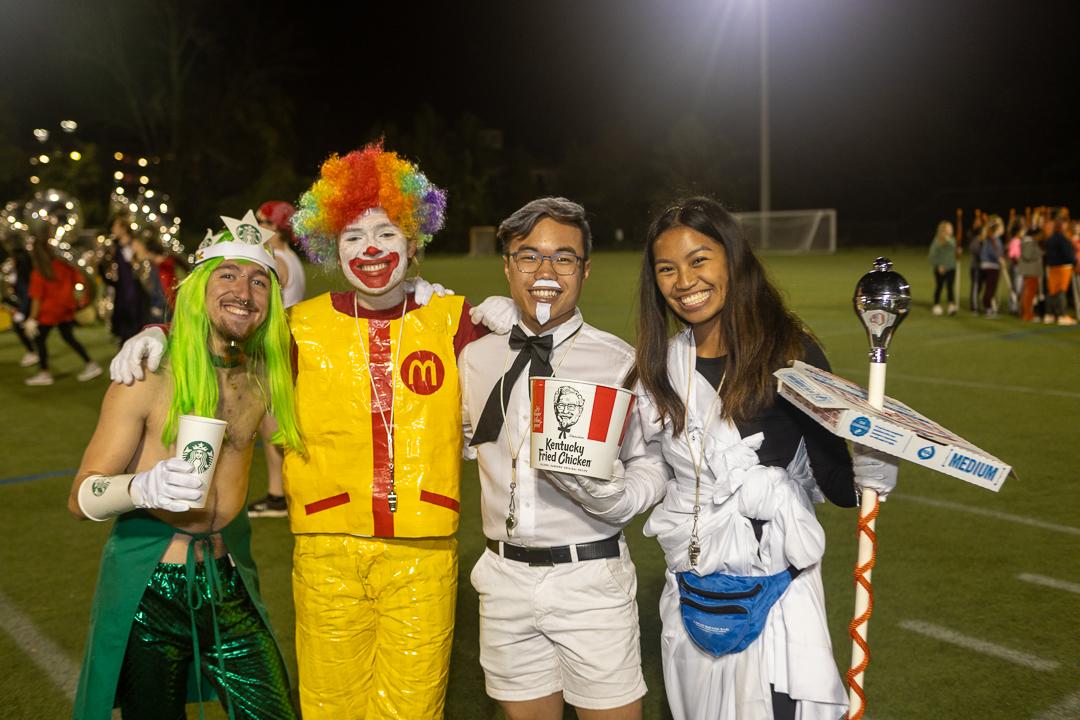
[[747, 466]]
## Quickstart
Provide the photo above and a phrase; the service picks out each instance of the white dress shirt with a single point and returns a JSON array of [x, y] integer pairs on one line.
[[547, 517]]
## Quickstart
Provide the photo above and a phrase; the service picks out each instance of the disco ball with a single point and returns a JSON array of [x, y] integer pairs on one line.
[[55, 211]]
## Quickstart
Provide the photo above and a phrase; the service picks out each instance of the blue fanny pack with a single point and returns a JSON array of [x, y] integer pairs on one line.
[[725, 613]]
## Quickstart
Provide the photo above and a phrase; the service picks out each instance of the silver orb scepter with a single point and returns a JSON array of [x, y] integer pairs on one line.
[[882, 300]]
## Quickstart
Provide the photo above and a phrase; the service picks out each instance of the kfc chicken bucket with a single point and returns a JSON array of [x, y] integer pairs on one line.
[[578, 427]]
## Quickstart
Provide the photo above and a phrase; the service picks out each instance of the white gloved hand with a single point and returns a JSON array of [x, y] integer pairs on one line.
[[170, 485], [30, 328], [127, 366], [423, 291], [497, 313], [763, 492], [600, 497], [874, 470]]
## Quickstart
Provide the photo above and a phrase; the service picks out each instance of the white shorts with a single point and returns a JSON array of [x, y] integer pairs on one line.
[[571, 627]]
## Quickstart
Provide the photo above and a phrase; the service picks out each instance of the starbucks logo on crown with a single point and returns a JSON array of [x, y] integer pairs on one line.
[[249, 234], [200, 454]]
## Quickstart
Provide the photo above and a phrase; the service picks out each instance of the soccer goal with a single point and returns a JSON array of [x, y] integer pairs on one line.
[[791, 231]]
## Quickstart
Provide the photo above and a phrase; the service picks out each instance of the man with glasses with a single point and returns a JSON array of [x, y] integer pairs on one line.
[[558, 615]]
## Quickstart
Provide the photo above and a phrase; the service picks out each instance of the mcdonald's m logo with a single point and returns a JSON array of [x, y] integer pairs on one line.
[[423, 372]]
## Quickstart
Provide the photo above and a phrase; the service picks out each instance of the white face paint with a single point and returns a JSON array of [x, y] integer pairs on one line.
[[543, 309], [374, 255]]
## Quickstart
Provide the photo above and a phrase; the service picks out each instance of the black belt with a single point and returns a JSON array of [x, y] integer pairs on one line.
[[563, 554]]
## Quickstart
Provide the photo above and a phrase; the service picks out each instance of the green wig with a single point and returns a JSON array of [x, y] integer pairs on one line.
[[195, 386]]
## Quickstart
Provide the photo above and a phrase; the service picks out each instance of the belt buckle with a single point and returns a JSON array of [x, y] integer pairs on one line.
[[541, 557]]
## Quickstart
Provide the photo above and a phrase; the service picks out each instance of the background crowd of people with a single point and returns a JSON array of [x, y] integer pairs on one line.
[[1032, 254]]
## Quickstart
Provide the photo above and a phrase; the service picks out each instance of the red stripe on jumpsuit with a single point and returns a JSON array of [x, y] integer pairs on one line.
[[382, 377]]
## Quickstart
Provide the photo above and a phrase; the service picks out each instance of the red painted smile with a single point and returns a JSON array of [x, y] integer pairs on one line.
[[375, 273]]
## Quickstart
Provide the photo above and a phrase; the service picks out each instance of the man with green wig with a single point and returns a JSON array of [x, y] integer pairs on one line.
[[177, 614]]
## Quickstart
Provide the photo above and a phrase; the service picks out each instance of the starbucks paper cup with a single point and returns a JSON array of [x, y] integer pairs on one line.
[[578, 427], [198, 441]]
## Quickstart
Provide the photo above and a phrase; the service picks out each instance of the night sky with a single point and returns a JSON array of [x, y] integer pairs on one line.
[[891, 112]]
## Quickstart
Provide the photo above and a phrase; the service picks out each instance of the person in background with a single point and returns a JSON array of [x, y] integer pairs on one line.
[[990, 257], [943, 259], [53, 305], [1074, 236], [147, 254], [167, 264], [1029, 267], [131, 304], [1017, 231], [17, 268], [977, 235], [746, 464], [1060, 259], [276, 215]]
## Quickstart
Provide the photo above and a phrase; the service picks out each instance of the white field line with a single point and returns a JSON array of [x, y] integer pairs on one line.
[[994, 514], [1070, 394], [1001, 652], [47, 655], [1067, 709], [1050, 582]]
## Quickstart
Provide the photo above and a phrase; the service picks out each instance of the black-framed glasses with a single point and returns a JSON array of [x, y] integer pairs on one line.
[[563, 263]]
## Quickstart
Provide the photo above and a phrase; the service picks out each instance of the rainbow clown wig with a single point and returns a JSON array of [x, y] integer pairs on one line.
[[365, 179]]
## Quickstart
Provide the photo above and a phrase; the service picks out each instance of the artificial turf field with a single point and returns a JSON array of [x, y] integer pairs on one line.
[[998, 573]]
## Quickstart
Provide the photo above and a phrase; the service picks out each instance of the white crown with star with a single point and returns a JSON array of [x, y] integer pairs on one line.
[[249, 242]]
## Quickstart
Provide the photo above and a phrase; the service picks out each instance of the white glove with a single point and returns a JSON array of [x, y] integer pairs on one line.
[[874, 470], [30, 328], [499, 314], [423, 291], [170, 485], [600, 497], [764, 492], [127, 367]]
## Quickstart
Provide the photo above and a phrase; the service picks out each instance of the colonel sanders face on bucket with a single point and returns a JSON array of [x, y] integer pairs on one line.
[[568, 407], [374, 253]]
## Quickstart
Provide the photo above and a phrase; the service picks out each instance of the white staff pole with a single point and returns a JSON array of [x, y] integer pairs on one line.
[[882, 299]]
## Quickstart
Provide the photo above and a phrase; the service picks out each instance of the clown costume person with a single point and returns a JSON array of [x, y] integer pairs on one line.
[[375, 503], [177, 603]]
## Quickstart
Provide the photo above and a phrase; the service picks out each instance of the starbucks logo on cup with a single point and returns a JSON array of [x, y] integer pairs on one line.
[[100, 486], [200, 454]]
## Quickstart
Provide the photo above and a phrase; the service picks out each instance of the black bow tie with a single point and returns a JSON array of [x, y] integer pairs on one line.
[[533, 350]]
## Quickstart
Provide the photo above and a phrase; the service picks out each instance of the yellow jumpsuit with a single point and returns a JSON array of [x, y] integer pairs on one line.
[[375, 589]]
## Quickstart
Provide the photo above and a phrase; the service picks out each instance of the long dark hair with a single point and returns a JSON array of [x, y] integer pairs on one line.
[[760, 333], [42, 255]]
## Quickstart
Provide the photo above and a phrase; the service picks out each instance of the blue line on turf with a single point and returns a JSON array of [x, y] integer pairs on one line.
[[38, 476]]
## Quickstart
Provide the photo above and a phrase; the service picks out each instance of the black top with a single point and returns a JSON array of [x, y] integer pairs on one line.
[[784, 425]]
